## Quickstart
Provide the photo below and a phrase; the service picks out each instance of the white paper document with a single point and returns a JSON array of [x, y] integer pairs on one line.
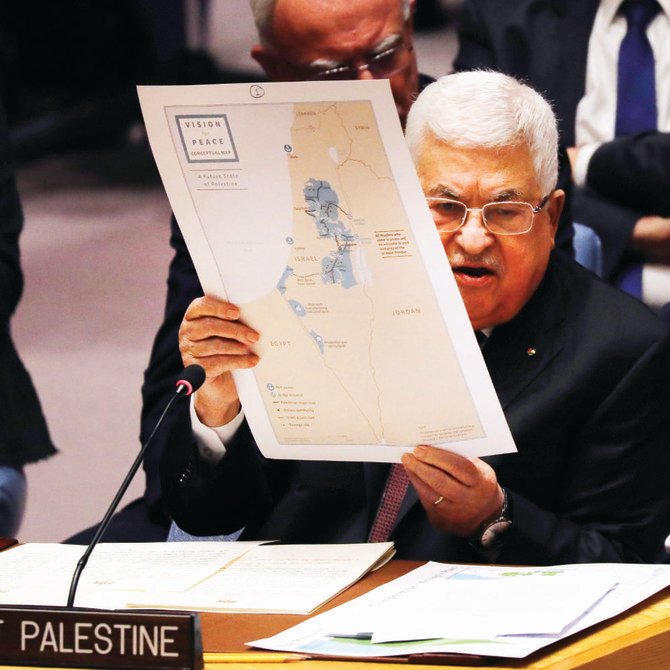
[[293, 579], [466, 606], [199, 576], [482, 610], [40, 573], [299, 202]]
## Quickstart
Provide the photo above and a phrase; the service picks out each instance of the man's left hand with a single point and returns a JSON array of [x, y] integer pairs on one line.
[[467, 489]]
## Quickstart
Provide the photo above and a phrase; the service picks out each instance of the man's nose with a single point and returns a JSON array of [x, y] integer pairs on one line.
[[364, 73], [473, 236]]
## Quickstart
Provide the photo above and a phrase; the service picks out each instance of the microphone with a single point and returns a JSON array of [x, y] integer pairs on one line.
[[190, 380]]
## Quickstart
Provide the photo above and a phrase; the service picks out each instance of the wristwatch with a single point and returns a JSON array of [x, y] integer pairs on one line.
[[491, 535]]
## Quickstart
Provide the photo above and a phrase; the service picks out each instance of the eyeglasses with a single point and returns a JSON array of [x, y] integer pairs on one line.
[[381, 65], [499, 218]]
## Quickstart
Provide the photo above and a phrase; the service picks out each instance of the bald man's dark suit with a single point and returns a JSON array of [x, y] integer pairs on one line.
[[545, 43], [588, 412]]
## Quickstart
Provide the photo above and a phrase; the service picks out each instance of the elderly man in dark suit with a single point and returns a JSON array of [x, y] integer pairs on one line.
[[603, 64], [583, 389]]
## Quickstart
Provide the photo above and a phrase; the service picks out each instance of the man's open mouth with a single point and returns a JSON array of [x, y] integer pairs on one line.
[[473, 271]]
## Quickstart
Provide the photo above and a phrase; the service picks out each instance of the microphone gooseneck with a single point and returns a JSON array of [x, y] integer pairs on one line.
[[190, 380]]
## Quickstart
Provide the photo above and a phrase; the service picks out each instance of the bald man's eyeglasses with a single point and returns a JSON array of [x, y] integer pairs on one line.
[[499, 218], [381, 66]]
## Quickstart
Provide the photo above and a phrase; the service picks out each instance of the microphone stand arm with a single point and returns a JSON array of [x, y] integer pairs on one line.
[[81, 564]]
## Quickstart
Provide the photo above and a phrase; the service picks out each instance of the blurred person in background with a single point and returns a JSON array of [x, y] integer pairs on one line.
[[24, 437]]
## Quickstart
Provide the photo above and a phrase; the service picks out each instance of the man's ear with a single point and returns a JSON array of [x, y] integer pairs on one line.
[[268, 61], [555, 208]]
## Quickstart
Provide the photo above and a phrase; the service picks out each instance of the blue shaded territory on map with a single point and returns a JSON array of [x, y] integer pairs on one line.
[[281, 284], [297, 308], [323, 206], [318, 339]]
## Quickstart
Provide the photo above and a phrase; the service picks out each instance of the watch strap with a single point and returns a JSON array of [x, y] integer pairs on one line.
[[491, 534]]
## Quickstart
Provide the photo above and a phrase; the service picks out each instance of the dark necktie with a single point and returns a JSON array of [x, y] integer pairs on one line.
[[636, 89], [394, 492], [636, 99], [481, 338]]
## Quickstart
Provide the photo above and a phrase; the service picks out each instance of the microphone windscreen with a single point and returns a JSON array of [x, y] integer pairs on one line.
[[192, 377]]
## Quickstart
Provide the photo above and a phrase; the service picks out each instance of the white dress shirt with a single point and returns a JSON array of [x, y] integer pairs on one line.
[[211, 442]]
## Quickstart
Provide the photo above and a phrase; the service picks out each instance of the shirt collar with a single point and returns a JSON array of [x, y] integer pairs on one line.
[[609, 8]]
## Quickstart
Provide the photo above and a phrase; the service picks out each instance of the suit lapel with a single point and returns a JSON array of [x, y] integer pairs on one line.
[[519, 351]]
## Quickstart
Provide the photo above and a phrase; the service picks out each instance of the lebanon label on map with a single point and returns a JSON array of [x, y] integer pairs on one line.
[[353, 302], [299, 202]]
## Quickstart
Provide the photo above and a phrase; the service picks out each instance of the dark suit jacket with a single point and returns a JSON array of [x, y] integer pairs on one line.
[[165, 363], [24, 437], [545, 43], [588, 413], [634, 171]]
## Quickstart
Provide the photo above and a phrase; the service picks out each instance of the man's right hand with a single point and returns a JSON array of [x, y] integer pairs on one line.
[[212, 336]]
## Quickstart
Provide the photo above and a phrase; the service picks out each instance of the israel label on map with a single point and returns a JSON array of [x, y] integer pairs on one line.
[[299, 203]]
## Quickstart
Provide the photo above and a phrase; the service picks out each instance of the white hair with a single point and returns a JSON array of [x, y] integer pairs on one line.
[[264, 11], [487, 109]]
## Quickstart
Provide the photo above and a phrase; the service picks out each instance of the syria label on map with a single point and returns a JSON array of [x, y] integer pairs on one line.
[[307, 231]]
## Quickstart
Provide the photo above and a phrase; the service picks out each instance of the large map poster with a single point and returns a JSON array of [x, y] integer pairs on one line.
[[299, 203]]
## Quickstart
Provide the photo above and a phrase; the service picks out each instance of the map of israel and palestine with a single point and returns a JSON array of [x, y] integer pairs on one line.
[[291, 210]]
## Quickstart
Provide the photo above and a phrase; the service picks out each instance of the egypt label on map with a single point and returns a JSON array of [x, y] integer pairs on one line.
[[300, 204]]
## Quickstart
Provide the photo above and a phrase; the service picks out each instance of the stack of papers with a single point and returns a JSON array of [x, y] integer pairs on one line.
[[280, 579], [483, 610], [216, 576]]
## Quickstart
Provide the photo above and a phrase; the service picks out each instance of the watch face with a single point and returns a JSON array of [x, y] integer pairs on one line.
[[492, 533]]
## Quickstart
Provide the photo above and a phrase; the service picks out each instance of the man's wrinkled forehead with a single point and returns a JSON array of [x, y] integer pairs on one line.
[[323, 31], [476, 174]]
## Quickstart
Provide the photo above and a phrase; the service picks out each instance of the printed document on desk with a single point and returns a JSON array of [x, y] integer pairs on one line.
[[40, 573], [199, 576], [299, 202], [278, 579], [492, 622]]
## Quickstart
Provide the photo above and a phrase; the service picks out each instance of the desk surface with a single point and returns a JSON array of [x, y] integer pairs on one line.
[[639, 639]]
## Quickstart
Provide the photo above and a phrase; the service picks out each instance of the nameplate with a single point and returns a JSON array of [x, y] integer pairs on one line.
[[86, 638]]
